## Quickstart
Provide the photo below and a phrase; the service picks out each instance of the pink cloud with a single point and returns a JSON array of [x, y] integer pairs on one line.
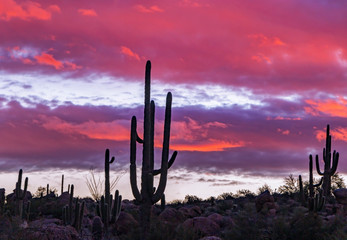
[[87, 12], [151, 9]]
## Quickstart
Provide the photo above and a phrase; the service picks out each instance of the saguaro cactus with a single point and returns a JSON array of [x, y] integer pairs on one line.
[[148, 196], [329, 167], [20, 195], [315, 200], [107, 175]]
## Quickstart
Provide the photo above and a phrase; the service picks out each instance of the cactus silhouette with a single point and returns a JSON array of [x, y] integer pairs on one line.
[[148, 195], [315, 200], [20, 195], [109, 209], [329, 167]]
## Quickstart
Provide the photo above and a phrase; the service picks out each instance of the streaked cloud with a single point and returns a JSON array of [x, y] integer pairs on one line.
[[87, 12]]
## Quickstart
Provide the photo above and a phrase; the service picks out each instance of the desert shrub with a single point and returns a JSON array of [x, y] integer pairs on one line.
[[248, 225], [264, 188], [244, 193], [290, 186], [191, 199], [225, 196]]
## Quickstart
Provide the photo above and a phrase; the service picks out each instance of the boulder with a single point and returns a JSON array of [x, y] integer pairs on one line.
[[125, 223], [97, 228], [341, 195], [265, 200], [210, 238], [222, 221], [202, 225], [47, 229], [171, 215]]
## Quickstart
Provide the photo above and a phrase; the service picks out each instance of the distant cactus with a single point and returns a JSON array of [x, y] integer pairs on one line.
[[62, 184], [301, 192], [162, 202], [108, 208], [329, 167], [20, 195], [147, 197], [315, 200], [109, 212], [73, 216], [2, 200], [108, 161]]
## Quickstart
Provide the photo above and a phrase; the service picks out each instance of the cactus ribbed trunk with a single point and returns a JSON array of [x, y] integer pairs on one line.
[[148, 195]]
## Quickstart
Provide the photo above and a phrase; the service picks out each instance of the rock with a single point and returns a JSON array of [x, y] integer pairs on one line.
[[194, 211], [47, 229], [210, 238], [63, 199], [171, 215], [203, 225], [265, 200], [222, 221], [341, 195], [12, 197], [97, 228], [125, 223], [217, 218]]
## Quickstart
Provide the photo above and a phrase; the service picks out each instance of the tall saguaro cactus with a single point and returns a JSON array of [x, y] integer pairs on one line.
[[148, 194], [329, 167]]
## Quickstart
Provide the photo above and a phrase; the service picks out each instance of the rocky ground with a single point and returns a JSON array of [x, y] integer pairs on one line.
[[265, 216]]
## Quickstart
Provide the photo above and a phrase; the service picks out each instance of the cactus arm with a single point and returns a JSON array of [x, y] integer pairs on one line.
[[317, 166], [138, 139], [133, 178], [171, 161], [335, 162], [165, 151], [318, 184], [151, 166], [25, 187]]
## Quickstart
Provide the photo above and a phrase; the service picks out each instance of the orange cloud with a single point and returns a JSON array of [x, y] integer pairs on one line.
[[87, 12], [127, 51], [263, 40], [48, 59], [337, 134], [284, 132], [27, 10], [115, 130], [261, 58], [335, 108], [151, 9], [209, 146], [284, 118]]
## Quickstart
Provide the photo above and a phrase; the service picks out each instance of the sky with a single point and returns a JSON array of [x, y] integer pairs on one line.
[[254, 85]]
